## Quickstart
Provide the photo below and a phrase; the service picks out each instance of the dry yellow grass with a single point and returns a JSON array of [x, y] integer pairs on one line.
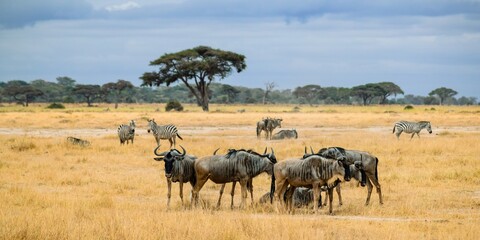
[[50, 189]]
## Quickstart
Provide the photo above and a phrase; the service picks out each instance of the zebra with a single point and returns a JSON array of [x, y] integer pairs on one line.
[[169, 132], [126, 132], [411, 127]]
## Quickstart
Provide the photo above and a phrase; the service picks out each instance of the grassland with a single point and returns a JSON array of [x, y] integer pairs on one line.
[[50, 189]]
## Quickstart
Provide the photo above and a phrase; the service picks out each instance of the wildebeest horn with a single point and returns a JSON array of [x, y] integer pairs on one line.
[[264, 152], [272, 150], [311, 150], [184, 151], [215, 152], [155, 152], [305, 149]]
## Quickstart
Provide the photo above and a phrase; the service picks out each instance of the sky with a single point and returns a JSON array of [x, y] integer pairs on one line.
[[419, 45]]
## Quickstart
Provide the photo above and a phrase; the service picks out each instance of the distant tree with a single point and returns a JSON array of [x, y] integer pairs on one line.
[[337, 95], [52, 92], [367, 92], [269, 86], [200, 65], [116, 89], [310, 93], [389, 89], [230, 91], [66, 84], [467, 100], [89, 92], [443, 93], [21, 91]]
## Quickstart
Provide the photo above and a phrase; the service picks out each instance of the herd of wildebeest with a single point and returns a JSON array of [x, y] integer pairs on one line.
[[295, 182]]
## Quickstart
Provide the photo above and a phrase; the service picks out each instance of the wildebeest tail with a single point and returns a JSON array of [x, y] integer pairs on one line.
[[376, 168], [178, 135], [272, 188]]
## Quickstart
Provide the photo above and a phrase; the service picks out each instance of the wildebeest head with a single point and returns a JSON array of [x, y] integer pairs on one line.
[[169, 157], [345, 165]]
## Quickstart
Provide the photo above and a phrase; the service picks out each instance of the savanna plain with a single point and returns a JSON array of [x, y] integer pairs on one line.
[[51, 189]]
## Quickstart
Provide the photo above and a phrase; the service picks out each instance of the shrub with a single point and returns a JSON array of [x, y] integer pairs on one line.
[[174, 105], [56, 106], [408, 107]]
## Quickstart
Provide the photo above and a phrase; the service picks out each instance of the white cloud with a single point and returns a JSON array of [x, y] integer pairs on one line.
[[122, 7]]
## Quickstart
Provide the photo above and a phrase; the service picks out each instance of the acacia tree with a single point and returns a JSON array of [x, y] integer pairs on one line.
[[389, 89], [367, 92], [309, 92], [117, 88], [89, 92], [269, 86], [443, 93], [21, 91], [196, 68]]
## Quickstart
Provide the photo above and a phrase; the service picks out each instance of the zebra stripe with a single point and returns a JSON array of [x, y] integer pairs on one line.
[[126, 132], [411, 127], [169, 132]]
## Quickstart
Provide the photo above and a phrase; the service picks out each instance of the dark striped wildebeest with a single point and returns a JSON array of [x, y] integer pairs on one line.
[[78, 141], [169, 132], [232, 192], [178, 168], [411, 127], [303, 196], [312, 172], [236, 166], [268, 125], [369, 164], [285, 134], [126, 132]]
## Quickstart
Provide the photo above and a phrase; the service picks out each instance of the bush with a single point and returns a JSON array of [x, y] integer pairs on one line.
[[56, 106], [174, 105], [408, 107]]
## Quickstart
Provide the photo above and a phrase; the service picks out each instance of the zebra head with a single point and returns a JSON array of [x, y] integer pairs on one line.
[[151, 124], [429, 127], [169, 157]]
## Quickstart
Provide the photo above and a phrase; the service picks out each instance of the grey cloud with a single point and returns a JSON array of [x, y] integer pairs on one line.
[[19, 13]]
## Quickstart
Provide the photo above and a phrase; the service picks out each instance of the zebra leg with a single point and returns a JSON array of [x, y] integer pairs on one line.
[[171, 143], [398, 133], [339, 195], [232, 194], [220, 195], [174, 138], [169, 194]]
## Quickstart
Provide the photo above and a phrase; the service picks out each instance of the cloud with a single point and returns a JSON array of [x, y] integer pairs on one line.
[[20, 13], [122, 7]]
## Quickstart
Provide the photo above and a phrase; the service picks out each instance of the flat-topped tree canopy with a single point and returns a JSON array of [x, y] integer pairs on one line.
[[196, 68]]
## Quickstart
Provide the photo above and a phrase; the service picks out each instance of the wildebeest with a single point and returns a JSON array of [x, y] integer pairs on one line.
[[179, 167], [236, 166], [78, 141], [312, 172], [303, 196], [232, 192], [169, 132], [268, 125], [285, 134], [369, 166], [411, 127]]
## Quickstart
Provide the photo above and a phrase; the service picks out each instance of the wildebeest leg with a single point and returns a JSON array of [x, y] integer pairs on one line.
[[181, 191], [220, 195], [232, 193], [339, 194], [330, 200], [378, 187], [316, 196], [279, 193], [169, 194], [369, 188], [250, 189], [243, 183], [198, 187], [289, 198]]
